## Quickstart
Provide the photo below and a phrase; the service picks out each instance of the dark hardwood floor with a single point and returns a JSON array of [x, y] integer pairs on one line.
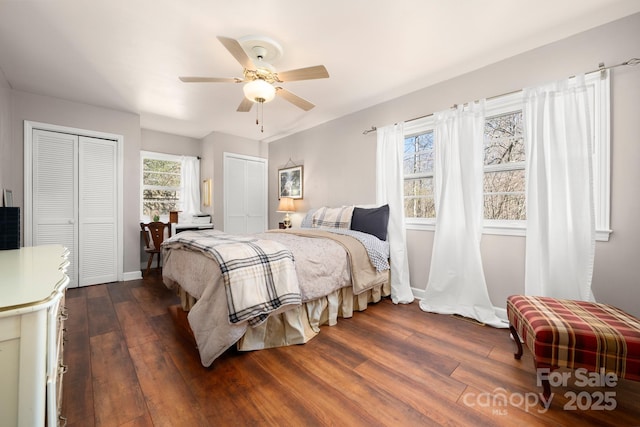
[[389, 365]]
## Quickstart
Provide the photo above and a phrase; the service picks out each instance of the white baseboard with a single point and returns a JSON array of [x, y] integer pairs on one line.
[[132, 275], [501, 313], [418, 293]]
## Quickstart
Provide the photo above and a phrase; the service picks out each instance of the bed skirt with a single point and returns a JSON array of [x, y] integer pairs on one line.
[[300, 324]]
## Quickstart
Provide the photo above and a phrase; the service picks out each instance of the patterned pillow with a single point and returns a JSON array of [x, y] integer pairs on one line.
[[307, 221], [333, 217]]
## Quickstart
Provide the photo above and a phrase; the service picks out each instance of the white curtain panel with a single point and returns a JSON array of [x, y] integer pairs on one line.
[[560, 243], [390, 190], [190, 194], [456, 278]]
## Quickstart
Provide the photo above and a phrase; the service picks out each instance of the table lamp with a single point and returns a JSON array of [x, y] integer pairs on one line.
[[286, 205]]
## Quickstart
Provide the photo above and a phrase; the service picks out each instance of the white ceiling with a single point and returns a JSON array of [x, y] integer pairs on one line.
[[127, 54]]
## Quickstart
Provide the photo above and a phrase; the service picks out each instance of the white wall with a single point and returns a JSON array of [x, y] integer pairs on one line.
[[6, 146], [162, 142], [27, 106], [339, 162], [338, 167]]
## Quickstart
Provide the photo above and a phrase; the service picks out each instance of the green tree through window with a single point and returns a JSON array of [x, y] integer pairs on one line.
[[160, 185]]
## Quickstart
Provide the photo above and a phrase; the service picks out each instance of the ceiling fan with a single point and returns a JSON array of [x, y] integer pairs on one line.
[[260, 77]]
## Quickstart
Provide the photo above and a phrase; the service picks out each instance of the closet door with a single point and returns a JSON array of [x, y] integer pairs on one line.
[[97, 213], [235, 220], [75, 202], [256, 196], [245, 194], [55, 201]]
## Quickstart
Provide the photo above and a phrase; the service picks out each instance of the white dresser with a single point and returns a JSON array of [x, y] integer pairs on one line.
[[33, 281]]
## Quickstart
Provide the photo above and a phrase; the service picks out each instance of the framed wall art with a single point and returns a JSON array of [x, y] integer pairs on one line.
[[290, 182]]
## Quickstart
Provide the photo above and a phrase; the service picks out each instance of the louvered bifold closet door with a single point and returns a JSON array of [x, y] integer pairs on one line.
[[55, 204], [256, 197], [235, 182], [97, 211], [245, 194]]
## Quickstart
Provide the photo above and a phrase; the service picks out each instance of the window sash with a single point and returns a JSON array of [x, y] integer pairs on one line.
[[170, 200]]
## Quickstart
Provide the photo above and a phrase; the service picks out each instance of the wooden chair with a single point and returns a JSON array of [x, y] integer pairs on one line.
[[152, 244]]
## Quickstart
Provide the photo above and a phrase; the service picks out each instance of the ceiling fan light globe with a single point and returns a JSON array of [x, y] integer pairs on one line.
[[259, 91]]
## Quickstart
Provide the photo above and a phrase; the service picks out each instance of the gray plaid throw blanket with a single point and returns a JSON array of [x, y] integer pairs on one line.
[[259, 275]]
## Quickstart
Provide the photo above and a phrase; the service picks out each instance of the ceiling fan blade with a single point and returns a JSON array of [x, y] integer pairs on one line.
[[245, 106], [308, 73], [210, 79], [294, 99], [235, 48]]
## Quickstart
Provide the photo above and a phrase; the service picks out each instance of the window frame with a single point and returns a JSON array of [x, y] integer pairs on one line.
[[413, 128], [155, 156], [420, 174], [503, 104], [497, 106]]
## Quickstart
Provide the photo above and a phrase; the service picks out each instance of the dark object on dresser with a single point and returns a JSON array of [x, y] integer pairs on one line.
[[10, 228]]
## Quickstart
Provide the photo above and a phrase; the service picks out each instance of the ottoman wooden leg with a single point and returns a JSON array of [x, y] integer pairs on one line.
[[546, 386], [516, 338]]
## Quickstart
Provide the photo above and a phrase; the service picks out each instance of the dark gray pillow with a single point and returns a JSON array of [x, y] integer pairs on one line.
[[373, 221]]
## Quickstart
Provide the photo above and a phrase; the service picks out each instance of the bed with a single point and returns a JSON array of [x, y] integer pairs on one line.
[[334, 265]]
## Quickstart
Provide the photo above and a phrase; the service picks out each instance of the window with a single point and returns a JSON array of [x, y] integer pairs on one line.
[[161, 176], [418, 176], [504, 164], [504, 182]]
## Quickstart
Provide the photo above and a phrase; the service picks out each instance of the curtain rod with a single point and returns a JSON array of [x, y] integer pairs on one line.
[[601, 68]]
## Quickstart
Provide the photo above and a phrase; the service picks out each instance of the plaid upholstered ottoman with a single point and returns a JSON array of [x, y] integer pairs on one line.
[[575, 334]]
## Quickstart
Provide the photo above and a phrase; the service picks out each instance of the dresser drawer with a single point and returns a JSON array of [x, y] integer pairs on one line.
[[56, 368], [60, 331]]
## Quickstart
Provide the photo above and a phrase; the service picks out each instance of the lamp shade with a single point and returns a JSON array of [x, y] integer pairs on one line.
[[259, 91], [286, 205]]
